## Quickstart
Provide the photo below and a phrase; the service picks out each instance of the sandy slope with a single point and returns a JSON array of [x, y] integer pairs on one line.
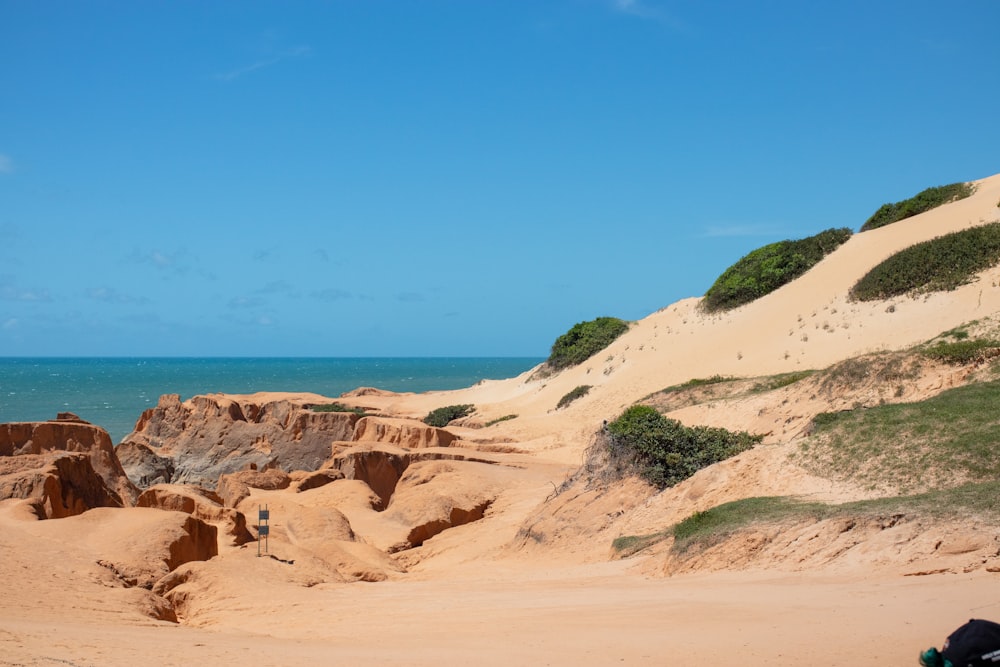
[[484, 593]]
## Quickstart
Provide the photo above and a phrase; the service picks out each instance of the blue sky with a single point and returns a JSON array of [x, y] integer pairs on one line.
[[448, 178]]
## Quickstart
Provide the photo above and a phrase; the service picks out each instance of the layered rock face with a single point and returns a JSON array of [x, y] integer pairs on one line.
[[69, 433], [199, 440], [55, 484]]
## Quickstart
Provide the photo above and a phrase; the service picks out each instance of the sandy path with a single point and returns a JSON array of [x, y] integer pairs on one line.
[[519, 613]]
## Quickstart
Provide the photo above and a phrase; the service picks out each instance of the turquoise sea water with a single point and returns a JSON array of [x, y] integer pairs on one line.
[[113, 392]]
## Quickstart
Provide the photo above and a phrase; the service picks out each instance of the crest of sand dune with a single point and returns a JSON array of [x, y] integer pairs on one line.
[[412, 575]]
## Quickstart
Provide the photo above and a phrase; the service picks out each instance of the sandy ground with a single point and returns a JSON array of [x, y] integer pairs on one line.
[[469, 596]]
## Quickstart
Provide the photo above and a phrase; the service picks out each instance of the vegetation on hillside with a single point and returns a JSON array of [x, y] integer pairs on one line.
[[942, 263], [572, 395], [443, 416], [337, 407], [942, 442], [766, 269], [584, 340], [714, 525], [664, 451], [919, 203]]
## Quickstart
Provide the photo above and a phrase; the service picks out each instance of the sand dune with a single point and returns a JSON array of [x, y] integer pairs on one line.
[[493, 592]]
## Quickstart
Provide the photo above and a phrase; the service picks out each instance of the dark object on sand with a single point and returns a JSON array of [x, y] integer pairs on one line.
[[974, 644]]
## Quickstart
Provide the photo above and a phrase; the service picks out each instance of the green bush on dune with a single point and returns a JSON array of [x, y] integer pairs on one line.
[[664, 451], [584, 340], [443, 416], [919, 203], [940, 264], [768, 268]]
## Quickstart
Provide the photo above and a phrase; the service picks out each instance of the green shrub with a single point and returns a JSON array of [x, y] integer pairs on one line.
[[584, 340], [498, 420], [940, 264], [582, 390], [919, 203], [964, 351], [664, 451], [768, 268], [337, 407], [444, 416]]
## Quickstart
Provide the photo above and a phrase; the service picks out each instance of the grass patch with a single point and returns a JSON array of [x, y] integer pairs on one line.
[[942, 442], [779, 381], [940, 264], [498, 420], [703, 529], [574, 394], [717, 523], [443, 416], [963, 351], [766, 269], [337, 407], [919, 203]]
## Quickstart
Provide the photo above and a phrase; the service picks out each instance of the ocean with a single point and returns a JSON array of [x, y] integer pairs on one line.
[[113, 392]]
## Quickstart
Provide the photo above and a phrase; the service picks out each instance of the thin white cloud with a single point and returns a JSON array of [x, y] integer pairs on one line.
[[646, 9], [410, 297], [246, 302], [11, 323], [10, 291], [111, 295], [277, 287], [172, 262], [6, 164], [330, 294], [239, 72]]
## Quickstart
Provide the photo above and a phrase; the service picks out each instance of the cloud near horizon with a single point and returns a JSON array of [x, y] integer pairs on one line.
[[111, 295], [10, 291]]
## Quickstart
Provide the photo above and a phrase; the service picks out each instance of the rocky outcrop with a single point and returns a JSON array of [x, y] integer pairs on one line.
[[401, 432], [380, 468], [433, 496], [55, 484], [209, 436], [144, 466], [71, 434], [199, 440], [201, 504], [234, 487]]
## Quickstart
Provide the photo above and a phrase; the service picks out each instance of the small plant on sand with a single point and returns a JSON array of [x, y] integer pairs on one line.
[[576, 393], [664, 451], [498, 420], [919, 203], [584, 340], [443, 416], [337, 407]]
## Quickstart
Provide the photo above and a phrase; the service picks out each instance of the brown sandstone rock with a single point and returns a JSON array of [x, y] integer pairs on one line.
[[407, 433], [199, 503], [56, 484], [234, 487], [70, 433], [209, 436]]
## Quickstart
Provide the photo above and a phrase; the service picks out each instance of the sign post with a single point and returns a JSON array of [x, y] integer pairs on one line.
[[263, 528]]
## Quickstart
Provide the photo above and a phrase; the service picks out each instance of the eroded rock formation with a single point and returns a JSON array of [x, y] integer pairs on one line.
[[198, 440], [69, 433], [55, 484]]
